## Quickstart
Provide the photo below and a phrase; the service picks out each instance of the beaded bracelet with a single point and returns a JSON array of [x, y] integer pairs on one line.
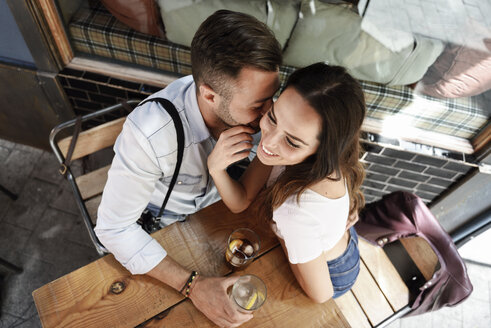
[[187, 286]]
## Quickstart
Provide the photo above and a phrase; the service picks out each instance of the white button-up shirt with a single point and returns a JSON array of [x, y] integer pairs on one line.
[[143, 165]]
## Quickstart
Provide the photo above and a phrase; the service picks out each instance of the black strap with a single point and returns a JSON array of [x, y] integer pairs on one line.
[[126, 106], [171, 109], [68, 159]]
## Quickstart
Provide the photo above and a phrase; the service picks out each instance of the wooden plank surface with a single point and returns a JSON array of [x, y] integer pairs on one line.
[[370, 297], [352, 311], [422, 255], [482, 139], [286, 304], [94, 139], [123, 71], [385, 274], [206, 234], [92, 183], [83, 298]]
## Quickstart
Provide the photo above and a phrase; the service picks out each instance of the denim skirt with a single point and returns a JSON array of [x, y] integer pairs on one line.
[[345, 268]]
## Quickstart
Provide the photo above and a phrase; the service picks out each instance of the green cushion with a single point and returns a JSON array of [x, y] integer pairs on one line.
[[183, 17], [332, 33], [282, 16]]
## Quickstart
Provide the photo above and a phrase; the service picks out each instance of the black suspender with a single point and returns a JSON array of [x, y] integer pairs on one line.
[[171, 109]]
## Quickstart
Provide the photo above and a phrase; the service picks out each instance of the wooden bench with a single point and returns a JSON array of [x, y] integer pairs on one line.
[[379, 292]]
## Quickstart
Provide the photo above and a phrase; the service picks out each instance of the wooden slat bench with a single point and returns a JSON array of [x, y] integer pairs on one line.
[[92, 140], [380, 292]]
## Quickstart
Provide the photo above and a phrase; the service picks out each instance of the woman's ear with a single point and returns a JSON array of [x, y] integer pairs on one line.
[[209, 95]]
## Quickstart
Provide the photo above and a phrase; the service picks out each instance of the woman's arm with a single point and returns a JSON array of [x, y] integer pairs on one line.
[[313, 277], [233, 145]]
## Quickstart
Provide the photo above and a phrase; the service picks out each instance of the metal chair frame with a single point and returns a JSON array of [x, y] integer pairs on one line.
[[101, 250]]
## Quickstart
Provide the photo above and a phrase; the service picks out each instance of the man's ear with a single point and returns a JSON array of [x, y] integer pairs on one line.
[[209, 95]]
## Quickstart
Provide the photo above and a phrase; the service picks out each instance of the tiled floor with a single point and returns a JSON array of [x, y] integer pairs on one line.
[[42, 232]]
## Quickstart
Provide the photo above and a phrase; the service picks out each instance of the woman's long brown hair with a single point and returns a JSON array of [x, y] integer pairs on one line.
[[338, 99]]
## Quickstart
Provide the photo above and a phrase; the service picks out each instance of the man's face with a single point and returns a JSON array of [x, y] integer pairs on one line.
[[250, 97]]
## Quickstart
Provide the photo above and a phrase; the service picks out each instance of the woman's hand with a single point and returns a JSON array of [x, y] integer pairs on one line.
[[233, 145]]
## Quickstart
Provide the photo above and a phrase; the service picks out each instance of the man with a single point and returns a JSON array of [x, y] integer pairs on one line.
[[235, 62]]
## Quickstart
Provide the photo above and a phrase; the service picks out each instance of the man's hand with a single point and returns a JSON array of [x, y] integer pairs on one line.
[[233, 145], [209, 295]]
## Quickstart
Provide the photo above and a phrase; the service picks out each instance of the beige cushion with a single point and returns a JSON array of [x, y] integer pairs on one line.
[[282, 16], [332, 33], [183, 17], [460, 71]]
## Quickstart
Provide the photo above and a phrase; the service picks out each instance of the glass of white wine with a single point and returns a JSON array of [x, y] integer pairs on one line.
[[249, 292]]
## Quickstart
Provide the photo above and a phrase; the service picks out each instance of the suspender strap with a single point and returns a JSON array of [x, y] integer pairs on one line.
[[169, 107], [126, 106], [68, 159]]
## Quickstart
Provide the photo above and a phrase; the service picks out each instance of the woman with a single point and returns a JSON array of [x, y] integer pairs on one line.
[[308, 158]]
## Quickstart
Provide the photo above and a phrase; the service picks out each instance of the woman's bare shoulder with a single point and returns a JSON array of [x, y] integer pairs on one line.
[[331, 189]]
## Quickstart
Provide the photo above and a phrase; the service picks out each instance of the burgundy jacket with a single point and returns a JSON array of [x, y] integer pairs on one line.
[[401, 214]]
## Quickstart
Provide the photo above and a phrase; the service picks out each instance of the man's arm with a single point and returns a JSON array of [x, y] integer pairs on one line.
[[130, 184], [131, 181], [209, 294]]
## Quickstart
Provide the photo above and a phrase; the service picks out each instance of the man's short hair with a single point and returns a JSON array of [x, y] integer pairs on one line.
[[228, 41]]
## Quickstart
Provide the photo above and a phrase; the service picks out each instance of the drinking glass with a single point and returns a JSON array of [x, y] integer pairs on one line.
[[242, 246], [249, 292]]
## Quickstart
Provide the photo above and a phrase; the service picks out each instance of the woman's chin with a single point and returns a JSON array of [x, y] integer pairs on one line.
[[261, 159], [265, 159]]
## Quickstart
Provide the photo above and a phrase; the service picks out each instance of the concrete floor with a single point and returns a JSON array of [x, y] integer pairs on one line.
[[42, 232]]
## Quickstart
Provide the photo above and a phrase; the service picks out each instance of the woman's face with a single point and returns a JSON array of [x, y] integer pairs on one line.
[[289, 131]]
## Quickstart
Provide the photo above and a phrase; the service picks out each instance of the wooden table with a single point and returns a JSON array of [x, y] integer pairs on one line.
[[92, 295]]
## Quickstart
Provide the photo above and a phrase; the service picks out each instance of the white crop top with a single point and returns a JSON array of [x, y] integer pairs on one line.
[[312, 226]]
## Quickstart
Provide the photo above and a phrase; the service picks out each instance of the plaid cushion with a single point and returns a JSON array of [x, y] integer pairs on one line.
[[95, 31], [399, 105]]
